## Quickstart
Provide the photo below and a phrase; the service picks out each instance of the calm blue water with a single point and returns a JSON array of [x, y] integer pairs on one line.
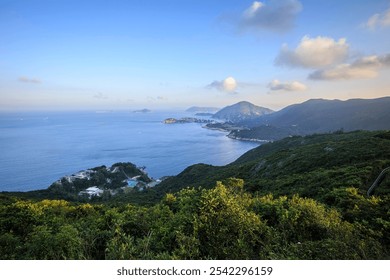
[[37, 149]]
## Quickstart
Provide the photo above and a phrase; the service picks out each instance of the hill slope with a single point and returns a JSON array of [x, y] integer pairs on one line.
[[310, 166]]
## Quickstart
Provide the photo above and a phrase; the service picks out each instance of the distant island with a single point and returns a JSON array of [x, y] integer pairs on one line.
[[142, 111]]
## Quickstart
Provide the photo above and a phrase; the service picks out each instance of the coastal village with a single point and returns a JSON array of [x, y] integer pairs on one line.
[[132, 184], [118, 179]]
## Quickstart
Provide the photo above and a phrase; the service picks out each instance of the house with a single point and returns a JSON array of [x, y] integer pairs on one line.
[[92, 191]]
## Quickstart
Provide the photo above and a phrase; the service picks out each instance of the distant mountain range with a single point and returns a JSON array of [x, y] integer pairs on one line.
[[312, 116], [241, 112], [319, 115]]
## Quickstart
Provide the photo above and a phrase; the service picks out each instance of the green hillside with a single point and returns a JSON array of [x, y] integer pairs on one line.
[[309, 166]]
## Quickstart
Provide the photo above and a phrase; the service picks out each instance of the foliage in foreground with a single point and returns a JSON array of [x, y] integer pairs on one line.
[[224, 222]]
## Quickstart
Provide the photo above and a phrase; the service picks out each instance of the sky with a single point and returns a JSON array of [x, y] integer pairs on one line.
[[134, 54]]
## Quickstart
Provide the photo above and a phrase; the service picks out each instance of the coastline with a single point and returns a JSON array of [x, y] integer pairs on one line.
[[248, 139], [230, 128]]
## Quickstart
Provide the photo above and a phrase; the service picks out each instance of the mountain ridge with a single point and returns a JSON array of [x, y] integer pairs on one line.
[[318, 109], [319, 116]]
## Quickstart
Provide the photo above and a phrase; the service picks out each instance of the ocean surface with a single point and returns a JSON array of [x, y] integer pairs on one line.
[[37, 149]]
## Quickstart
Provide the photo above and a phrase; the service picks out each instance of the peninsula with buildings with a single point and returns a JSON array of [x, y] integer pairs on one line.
[[104, 181]]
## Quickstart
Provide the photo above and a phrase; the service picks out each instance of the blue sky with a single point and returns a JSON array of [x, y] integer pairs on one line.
[[58, 55]]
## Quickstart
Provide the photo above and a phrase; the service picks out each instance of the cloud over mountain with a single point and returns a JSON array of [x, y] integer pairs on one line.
[[363, 68], [228, 85], [275, 15], [313, 53], [286, 86]]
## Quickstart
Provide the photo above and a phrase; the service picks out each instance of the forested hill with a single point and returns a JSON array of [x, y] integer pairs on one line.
[[320, 115], [308, 165]]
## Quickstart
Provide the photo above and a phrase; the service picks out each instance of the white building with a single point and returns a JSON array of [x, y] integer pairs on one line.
[[92, 191]]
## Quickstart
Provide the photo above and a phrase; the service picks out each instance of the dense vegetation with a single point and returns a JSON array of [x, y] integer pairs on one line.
[[298, 198], [310, 166]]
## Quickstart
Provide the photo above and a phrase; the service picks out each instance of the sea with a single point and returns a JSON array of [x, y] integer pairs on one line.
[[38, 148]]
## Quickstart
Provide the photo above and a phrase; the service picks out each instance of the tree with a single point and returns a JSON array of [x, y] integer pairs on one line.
[[226, 228]]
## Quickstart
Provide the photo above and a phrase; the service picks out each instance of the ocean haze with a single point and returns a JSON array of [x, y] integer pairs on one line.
[[38, 148]]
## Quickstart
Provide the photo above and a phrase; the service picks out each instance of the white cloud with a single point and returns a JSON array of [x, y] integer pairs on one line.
[[228, 85], [24, 79], [314, 53], [253, 9], [378, 20], [363, 68], [286, 86], [276, 15]]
